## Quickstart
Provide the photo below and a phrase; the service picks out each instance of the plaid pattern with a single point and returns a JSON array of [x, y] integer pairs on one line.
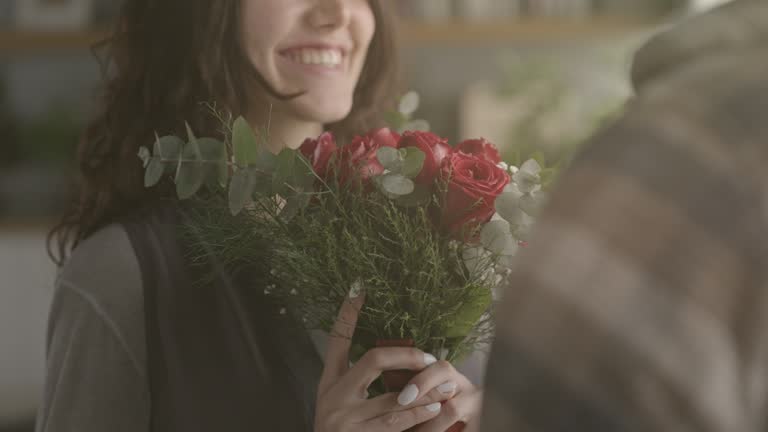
[[642, 302]]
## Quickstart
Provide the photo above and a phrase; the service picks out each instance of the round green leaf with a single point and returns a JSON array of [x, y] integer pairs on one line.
[[190, 173], [397, 184], [389, 158], [409, 103], [413, 163], [168, 147], [154, 171], [244, 143], [214, 152], [240, 189], [418, 126]]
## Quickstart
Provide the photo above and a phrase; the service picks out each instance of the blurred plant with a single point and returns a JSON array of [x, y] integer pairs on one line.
[[559, 116], [8, 131], [51, 138]]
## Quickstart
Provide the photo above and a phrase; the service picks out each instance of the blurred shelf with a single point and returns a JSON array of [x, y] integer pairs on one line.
[[522, 30], [15, 42], [27, 224], [24, 42]]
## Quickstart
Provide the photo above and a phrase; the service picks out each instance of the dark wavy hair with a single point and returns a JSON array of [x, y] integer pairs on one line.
[[163, 60]]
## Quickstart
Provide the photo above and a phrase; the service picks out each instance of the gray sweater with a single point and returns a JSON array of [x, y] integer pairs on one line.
[[96, 354]]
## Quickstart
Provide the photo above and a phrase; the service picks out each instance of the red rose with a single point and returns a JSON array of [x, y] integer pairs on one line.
[[435, 149], [319, 151], [480, 148], [360, 157], [474, 184]]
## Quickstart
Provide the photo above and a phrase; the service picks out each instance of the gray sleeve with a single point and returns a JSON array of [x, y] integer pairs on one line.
[[92, 383]]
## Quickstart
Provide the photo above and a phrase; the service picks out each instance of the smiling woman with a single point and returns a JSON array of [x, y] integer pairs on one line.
[[133, 344]]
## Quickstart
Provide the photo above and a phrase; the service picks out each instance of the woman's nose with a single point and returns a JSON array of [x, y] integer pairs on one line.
[[330, 14]]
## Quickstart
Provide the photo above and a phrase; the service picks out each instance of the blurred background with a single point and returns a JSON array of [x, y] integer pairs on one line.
[[533, 76]]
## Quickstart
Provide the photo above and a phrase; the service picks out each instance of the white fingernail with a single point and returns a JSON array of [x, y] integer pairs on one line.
[[429, 359], [433, 408], [408, 395], [447, 388]]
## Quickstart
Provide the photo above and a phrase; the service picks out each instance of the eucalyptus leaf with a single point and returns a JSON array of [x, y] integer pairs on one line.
[[241, 186], [191, 171], [168, 147], [153, 172], [418, 126], [244, 143], [409, 103], [389, 158], [395, 120], [413, 163], [397, 184], [214, 153], [284, 172]]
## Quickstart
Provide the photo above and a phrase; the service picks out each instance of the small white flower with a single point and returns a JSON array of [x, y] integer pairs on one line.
[[513, 169], [528, 178], [503, 165], [283, 311]]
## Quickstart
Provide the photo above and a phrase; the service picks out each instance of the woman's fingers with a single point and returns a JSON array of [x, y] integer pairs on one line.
[[462, 408], [386, 403], [339, 342], [441, 378], [378, 360], [399, 421]]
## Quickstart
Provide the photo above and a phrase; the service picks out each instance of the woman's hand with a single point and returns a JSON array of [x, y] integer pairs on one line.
[[463, 399], [343, 404]]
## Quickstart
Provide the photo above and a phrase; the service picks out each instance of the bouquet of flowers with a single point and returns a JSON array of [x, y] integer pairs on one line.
[[428, 231]]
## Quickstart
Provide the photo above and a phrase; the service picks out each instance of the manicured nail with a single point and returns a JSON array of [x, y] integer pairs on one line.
[[429, 359], [447, 388], [433, 408], [408, 395]]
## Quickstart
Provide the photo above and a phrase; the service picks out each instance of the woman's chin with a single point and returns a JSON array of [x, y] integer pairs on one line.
[[325, 114], [322, 110]]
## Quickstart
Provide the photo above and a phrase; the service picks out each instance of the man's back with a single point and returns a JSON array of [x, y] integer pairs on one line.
[[642, 302]]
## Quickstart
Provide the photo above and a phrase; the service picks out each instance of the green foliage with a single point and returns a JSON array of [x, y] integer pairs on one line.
[[244, 143], [321, 240]]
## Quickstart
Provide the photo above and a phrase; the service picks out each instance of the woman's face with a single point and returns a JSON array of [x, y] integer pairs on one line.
[[317, 47]]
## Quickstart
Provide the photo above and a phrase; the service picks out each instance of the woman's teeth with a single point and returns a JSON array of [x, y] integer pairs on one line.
[[329, 58]]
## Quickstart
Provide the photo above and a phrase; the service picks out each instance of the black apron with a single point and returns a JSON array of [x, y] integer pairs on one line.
[[219, 356]]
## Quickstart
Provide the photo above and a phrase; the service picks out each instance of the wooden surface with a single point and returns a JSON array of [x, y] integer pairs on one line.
[[526, 30], [15, 42], [20, 42]]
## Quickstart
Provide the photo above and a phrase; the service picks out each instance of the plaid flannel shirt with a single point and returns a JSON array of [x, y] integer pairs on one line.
[[641, 303]]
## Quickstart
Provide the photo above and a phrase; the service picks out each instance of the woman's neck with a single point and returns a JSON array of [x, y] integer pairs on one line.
[[284, 131]]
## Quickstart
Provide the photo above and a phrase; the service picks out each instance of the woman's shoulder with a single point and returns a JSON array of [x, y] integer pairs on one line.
[[103, 272]]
